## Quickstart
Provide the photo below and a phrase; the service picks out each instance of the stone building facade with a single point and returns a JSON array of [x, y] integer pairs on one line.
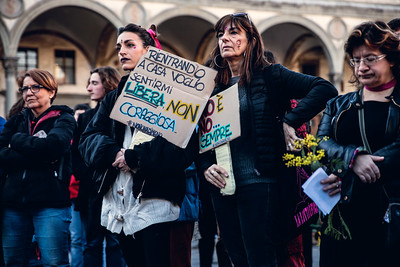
[[69, 37]]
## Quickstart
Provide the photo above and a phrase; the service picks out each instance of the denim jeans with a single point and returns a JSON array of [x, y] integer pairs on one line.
[[51, 229], [248, 223], [78, 238]]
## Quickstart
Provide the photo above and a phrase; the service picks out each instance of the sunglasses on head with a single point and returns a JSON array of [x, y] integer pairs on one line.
[[242, 15]]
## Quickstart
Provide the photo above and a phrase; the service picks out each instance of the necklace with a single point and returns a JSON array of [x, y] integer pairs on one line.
[[382, 87]]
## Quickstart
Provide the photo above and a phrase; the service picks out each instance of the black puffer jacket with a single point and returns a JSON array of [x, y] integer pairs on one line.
[[269, 98], [161, 164], [333, 150], [37, 171]]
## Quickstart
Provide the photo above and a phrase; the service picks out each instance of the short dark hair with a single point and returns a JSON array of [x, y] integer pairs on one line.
[[44, 78], [394, 24]]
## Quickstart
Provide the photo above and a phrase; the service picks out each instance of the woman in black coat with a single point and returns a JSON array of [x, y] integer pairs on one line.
[[35, 152], [369, 173], [143, 185]]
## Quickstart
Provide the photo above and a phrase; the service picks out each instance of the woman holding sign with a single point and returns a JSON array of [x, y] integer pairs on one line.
[[142, 177], [247, 218]]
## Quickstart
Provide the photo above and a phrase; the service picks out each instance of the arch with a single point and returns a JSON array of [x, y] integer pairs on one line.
[[36, 10], [4, 36], [335, 57], [182, 11]]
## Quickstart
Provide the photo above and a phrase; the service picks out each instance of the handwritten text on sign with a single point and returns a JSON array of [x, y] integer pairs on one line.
[[220, 122], [165, 95]]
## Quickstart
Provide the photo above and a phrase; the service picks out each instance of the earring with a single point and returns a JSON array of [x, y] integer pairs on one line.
[[215, 62]]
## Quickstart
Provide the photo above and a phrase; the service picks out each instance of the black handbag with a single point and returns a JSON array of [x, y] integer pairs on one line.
[[392, 223]]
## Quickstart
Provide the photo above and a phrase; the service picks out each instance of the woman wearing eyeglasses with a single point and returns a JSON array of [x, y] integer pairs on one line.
[[35, 156], [248, 219], [374, 54]]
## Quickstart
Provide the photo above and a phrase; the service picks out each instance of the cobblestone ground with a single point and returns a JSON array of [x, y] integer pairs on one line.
[[196, 263]]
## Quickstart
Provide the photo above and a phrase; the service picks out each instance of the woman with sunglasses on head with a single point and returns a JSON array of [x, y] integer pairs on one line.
[[147, 181], [35, 157], [248, 219], [374, 54]]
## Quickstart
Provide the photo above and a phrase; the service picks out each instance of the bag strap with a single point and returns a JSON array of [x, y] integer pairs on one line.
[[361, 122]]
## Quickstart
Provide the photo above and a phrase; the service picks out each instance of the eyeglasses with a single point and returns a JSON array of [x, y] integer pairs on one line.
[[34, 89], [242, 15], [369, 61]]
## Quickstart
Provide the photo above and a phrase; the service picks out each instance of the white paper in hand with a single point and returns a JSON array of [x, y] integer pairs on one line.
[[313, 188]]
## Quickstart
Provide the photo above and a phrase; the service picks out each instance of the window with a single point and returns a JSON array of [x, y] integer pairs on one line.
[[310, 67], [27, 59], [65, 66]]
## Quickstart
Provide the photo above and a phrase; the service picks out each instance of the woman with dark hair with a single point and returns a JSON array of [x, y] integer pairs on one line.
[[248, 219], [35, 148], [144, 184], [102, 80], [369, 173]]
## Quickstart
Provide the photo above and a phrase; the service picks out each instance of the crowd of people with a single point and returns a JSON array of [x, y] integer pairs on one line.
[[80, 186]]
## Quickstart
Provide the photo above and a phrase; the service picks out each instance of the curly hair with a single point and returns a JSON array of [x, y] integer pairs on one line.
[[375, 35]]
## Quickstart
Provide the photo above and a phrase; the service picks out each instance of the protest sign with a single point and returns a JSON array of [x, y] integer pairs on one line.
[[220, 122], [165, 95]]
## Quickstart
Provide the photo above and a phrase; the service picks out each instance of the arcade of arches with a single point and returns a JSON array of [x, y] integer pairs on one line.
[[69, 37]]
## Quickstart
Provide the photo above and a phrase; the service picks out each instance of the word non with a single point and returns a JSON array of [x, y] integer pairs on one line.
[[183, 110]]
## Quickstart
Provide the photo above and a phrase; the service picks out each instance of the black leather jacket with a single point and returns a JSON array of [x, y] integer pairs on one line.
[[333, 150]]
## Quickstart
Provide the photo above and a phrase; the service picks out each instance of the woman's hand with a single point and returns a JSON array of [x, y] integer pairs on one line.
[[215, 175], [365, 168], [290, 137], [120, 162], [333, 185]]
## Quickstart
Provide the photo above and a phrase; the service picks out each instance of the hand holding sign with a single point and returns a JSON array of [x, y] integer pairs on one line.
[[165, 95]]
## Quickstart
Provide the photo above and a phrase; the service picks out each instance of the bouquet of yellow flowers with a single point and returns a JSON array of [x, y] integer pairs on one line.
[[311, 156]]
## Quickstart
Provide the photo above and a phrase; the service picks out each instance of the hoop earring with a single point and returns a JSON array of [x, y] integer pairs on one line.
[[215, 62]]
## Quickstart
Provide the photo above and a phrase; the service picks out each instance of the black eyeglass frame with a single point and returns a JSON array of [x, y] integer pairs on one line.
[[34, 88]]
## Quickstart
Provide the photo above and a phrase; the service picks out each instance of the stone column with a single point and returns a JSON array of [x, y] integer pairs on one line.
[[10, 67], [336, 79]]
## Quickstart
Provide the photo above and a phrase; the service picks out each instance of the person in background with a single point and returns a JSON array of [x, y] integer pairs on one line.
[[35, 148], [373, 51], [143, 185], [76, 228], [248, 219], [102, 81]]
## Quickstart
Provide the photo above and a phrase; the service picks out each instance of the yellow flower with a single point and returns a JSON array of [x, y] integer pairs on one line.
[[309, 153]]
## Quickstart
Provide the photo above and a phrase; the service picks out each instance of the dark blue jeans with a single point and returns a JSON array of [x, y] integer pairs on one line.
[[248, 224], [51, 229]]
